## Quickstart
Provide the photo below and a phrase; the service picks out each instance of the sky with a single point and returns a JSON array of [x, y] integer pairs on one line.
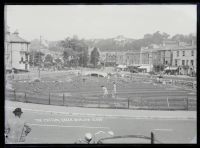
[[57, 22]]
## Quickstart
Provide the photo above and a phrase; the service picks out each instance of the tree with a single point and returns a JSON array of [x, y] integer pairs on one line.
[[94, 57], [58, 63], [184, 38], [35, 45], [69, 57], [55, 46], [75, 52], [178, 37], [48, 61], [83, 58], [165, 35], [31, 58], [36, 58]]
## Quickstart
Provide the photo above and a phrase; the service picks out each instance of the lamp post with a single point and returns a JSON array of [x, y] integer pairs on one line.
[[39, 59]]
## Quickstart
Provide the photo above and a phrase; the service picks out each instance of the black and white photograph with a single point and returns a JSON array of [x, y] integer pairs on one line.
[[100, 74]]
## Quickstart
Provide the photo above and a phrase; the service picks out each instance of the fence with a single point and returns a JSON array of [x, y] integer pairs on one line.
[[172, 81], [138, 102]]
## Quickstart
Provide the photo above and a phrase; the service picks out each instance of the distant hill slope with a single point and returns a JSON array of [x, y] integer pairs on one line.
[[119, 43], [45, 46]]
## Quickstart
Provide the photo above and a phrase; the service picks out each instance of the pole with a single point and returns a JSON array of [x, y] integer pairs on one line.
[[15, 95], [187, 103], [49, 98], [63, 99], [128, 103], [11, 56], [149, 61], [33, 60], [39, 59], [25, 98], [152, 138]]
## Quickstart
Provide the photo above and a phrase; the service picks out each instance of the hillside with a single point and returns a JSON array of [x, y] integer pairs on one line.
[[112, 44]]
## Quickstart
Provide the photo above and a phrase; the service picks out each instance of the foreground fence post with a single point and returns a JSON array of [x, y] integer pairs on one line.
[[49, 98], [25, 97], [168, 102], [187, 104], [63, 99], [15, 95], [128, 102], [152, 138]]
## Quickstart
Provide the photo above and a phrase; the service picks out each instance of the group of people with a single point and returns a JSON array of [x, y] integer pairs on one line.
[[114, 91]]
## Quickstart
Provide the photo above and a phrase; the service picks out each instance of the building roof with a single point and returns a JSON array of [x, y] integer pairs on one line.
[[14, 38], [171, 68], [163, 48], [121, 66], [170, 42]]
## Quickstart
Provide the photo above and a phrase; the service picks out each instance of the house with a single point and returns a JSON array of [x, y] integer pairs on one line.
[[113, 58], [108, 58], [132, 58], [174, 56], [16, 51], [185, 59]]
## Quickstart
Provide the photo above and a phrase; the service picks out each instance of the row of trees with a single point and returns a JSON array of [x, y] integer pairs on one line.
[[154, 38], [75, 53], [40, 59]]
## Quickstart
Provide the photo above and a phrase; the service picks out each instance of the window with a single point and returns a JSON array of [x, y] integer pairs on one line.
[[183, 62], [166, 62], [177, 53], [187, 62], [26, 57], [22, 59], [176, 62], [183, 53], [192, 62], [192, 52]]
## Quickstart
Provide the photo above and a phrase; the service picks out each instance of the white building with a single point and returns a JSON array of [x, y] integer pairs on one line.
[[16, 51]]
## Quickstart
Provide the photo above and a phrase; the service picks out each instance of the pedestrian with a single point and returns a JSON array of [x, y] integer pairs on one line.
[[114, 90], [105, 91], [108, 77], [16, 129]]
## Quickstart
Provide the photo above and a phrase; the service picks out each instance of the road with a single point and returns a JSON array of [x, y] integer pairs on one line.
[[48, 127]]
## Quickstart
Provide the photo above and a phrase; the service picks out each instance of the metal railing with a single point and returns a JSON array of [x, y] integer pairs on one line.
[[138, 102]]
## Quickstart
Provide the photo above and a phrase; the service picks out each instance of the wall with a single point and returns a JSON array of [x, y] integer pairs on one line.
[[133, 58], [144, 58], [17, 55]]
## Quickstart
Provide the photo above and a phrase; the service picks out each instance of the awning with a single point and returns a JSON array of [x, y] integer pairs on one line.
[[144, 67], [171, 68], [121, 66]]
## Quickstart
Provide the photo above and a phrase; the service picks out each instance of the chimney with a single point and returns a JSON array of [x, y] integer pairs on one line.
[[16, 33]]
